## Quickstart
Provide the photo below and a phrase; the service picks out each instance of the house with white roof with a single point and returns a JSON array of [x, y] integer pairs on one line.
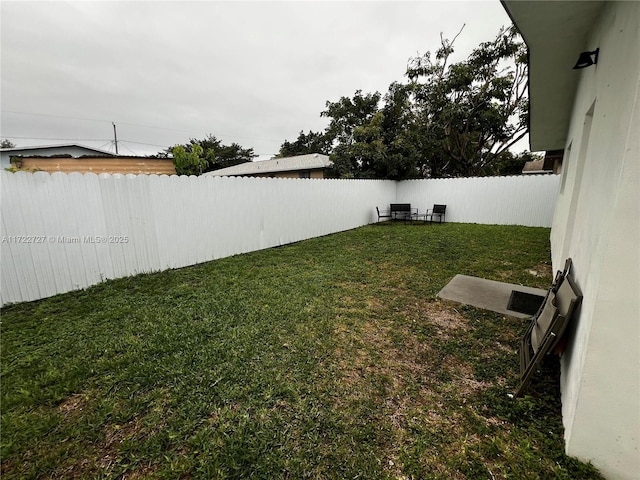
[[312, 165]]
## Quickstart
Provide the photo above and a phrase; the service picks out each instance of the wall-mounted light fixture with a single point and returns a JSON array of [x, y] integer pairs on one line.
[[587, 59]]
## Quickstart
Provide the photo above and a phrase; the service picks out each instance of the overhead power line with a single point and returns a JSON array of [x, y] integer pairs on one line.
[[109, 141], [143, 143], [229, 135], [62, 139], [94, 120], [86, 119]]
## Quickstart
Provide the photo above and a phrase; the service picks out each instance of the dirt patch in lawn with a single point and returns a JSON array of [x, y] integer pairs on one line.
[[74, 404], [443, 316]]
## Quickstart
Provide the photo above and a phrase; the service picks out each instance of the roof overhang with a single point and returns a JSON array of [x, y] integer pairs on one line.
[[555, 32]]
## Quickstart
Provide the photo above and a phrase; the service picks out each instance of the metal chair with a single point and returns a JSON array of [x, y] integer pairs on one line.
[[383, 214], [437, 211]]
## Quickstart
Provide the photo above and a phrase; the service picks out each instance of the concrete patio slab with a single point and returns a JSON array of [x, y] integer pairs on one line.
[[487, 294]]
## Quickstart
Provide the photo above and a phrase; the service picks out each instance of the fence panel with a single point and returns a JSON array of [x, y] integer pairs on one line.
[[516, 200], [62, 232]]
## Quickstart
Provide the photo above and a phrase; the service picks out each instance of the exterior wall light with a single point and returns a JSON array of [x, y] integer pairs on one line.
[[587, 59]]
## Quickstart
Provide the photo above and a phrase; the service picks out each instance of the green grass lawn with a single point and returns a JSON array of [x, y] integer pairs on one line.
[[329, 358]]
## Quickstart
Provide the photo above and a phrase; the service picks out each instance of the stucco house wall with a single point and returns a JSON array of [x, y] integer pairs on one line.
[[98, 164], [594, 115], [596, 223]]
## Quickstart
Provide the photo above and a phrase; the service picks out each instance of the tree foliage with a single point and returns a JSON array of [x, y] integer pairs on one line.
[[355, 131], [190, 162], [7, 144], [474, 110], [208, 154], [445, 120], [312, 142]]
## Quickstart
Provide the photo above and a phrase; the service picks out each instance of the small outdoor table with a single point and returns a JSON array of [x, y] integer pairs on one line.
[[418, 216]]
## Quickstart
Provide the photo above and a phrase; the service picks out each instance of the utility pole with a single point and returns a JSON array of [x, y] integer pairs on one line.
[[115, 137]]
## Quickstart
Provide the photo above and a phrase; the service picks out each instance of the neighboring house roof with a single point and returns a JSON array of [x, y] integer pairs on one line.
[[312, 161], [63, 147], [553, 51], [534, 166], [549, 164]]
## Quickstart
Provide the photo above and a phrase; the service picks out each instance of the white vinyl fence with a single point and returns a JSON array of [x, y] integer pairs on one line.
[[62, 232], [517, 200]]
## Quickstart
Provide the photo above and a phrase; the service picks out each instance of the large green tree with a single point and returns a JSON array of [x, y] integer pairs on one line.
[[446, 119], [470, 112], [355, 132], [401, 136], [200, 156]]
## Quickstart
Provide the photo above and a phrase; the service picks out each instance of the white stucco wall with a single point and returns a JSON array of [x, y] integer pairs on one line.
[[596, 223]]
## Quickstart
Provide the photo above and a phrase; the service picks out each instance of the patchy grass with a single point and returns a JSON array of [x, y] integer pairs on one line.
[[330, 358]]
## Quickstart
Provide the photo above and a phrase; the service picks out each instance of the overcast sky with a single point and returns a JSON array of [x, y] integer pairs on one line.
[[254, 73]]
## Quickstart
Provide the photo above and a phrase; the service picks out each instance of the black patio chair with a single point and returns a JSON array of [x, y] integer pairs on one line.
[[437, 211], [383, 214]]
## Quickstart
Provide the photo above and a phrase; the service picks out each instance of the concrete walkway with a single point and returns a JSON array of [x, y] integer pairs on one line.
[[487, 294]]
